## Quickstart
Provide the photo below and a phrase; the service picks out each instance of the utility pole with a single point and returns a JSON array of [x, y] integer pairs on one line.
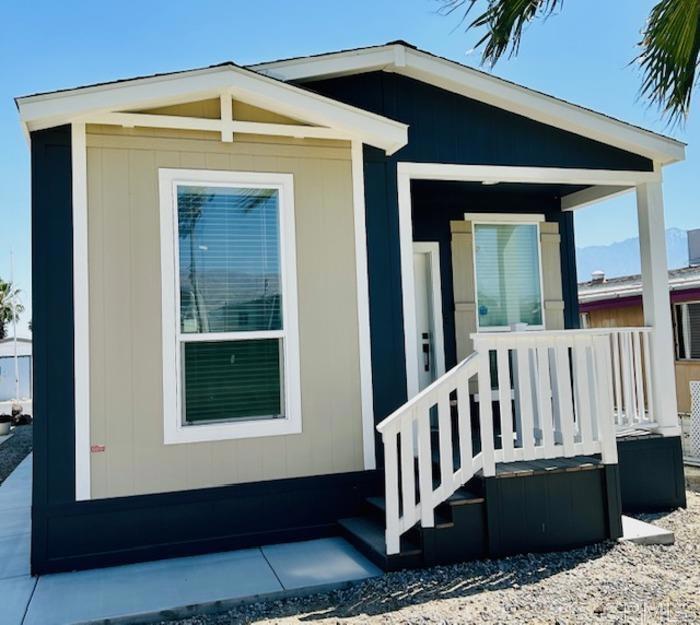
[[13, 303]]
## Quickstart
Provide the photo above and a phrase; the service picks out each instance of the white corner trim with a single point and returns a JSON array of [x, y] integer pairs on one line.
[[174, 431], [364, 332], [493, 218], [432, 249], [408, 288], [81, 312]]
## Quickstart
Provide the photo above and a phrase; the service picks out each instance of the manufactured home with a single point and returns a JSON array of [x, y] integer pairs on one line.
[[336, 295]]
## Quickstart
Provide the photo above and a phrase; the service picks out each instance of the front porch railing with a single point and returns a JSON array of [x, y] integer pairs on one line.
[[520, 396]]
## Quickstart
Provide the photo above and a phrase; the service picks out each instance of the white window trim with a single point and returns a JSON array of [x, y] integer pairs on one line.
[[502, 219], [507, 218], [174, 431]]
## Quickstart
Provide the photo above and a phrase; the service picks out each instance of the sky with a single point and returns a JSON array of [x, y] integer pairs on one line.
[[582, 54]]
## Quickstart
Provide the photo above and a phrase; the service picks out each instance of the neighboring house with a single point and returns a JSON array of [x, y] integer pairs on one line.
[[617, 302], [271, 264], [13, 379]]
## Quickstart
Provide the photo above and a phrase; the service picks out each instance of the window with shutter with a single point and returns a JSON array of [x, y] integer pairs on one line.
[[232, 273]]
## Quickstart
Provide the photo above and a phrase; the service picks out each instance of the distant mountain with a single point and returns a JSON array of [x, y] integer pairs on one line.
[[622, 258]]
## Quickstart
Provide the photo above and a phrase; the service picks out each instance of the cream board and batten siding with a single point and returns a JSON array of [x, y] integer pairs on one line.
[[464, 286], [126, 402]]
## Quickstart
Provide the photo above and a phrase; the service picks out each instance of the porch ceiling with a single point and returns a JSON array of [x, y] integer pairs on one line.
[[421, 187]]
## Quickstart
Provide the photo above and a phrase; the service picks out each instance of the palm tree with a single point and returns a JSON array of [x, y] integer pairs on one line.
[[669, 50], [10, 308]]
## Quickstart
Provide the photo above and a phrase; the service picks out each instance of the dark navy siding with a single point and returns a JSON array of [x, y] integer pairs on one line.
[[448, 128], [52, 325]]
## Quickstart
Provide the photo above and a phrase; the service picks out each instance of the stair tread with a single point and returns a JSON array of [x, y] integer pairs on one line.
[[372, 534], [528, 467], [440, 520], [464, 496]]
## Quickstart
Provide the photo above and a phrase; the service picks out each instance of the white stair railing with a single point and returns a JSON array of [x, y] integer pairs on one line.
[[408, 430], [556, 394]]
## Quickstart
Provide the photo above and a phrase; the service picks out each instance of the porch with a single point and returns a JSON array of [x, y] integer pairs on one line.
[[563, 403]]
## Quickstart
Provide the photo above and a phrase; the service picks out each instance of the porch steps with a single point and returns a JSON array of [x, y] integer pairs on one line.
[[367, 536], [451, 540], [461, 530], [642, 533]]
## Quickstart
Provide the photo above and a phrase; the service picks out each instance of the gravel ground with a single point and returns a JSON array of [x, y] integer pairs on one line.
[[692, 478], [608, 584], [14, 450]]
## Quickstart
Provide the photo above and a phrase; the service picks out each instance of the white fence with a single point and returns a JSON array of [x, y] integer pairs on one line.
[[557, 394]]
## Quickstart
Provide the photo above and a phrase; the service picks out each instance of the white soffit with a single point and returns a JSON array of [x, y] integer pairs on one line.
[[53, 109], [478, 85]]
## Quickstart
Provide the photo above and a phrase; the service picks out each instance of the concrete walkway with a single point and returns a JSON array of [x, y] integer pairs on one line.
[[150, 590]]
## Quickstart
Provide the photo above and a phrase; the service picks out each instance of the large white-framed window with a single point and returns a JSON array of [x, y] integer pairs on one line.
[[507, 272], [229, 298]]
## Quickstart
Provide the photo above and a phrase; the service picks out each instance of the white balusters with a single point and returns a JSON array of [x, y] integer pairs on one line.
[[488, 457], [582, 395], [564, 402], [504, 401], [631, 377], [564, 398], [523, 391]]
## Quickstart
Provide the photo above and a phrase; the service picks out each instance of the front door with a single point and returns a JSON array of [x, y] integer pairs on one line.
[[428, 320]]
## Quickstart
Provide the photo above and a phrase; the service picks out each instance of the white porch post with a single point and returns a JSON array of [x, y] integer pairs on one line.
[[657, 307]]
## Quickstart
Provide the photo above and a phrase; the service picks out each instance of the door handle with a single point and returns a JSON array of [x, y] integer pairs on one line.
[[426, 351]]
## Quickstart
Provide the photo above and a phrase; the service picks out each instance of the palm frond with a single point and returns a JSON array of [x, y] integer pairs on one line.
[[504, 21], [670, 56]]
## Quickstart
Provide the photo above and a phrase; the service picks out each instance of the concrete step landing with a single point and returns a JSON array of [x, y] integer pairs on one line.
[[641, 533]]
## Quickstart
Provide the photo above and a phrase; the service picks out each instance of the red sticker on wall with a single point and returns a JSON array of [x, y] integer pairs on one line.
[[97, 448]]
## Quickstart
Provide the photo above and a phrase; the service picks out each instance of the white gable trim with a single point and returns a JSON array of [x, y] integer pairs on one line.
[[478, 85], [44, 111]]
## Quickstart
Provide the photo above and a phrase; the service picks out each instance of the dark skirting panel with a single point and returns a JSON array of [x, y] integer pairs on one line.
[[107, 532], [651, 473], [551, 512]]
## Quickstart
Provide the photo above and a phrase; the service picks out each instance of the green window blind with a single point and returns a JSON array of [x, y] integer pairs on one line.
[[508, 287], [226, 380]]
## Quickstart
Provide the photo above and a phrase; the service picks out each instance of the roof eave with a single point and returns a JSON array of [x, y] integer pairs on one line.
[[479, 85], [53, 109]]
